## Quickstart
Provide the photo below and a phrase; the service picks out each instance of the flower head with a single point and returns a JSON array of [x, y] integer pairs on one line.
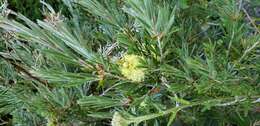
[[129, 68], [118, 120]]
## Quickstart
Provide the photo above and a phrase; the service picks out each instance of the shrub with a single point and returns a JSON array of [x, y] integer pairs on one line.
[[134, 62]]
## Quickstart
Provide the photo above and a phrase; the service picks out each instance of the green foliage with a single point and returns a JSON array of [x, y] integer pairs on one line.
[[32, 8], [201, 63]]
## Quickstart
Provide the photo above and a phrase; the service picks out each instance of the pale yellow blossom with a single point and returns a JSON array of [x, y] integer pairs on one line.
[[118, 120], [129, 66]]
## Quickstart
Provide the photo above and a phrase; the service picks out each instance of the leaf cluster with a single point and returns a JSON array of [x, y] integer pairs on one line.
[[201, 61]]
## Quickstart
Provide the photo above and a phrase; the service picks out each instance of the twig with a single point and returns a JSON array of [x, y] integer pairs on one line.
[[248, 50], [231, 102], [19, 68], [110, 88], [257, 101], [3, 123], [251, 20]]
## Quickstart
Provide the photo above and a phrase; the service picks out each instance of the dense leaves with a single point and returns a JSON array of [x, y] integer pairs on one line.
[[196, 63]]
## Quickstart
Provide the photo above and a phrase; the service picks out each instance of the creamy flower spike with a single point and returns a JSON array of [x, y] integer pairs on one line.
[[129, 68], [118, 120]]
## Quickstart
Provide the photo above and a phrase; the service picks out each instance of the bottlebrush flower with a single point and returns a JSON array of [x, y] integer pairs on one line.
[[129, 68], [118, 120]]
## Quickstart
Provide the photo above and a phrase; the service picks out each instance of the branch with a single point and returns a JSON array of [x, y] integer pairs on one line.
[[251, 20], [20, 68]]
